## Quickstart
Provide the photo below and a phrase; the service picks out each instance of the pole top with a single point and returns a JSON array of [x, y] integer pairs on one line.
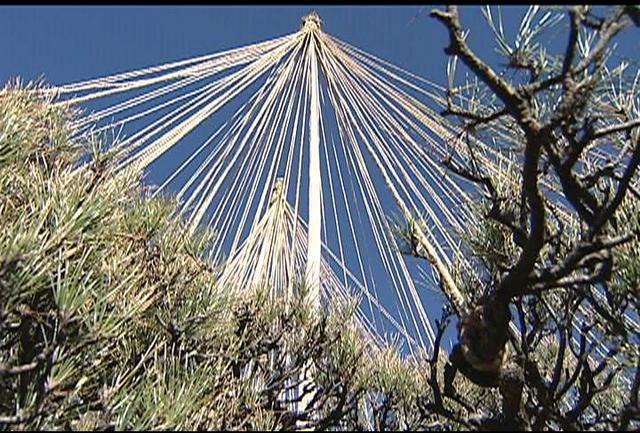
[[311, 22], [277, 193]]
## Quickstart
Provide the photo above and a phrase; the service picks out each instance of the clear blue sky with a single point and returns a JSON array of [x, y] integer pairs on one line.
[[72, 43]]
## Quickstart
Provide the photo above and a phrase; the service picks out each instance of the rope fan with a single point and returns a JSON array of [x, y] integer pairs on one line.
[[295, 152]]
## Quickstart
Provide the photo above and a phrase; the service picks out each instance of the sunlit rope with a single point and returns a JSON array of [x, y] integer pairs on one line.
[[378, 151]]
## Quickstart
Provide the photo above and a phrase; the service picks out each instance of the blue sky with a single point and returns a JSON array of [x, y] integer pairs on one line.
[[67, 44], [72, 43]]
